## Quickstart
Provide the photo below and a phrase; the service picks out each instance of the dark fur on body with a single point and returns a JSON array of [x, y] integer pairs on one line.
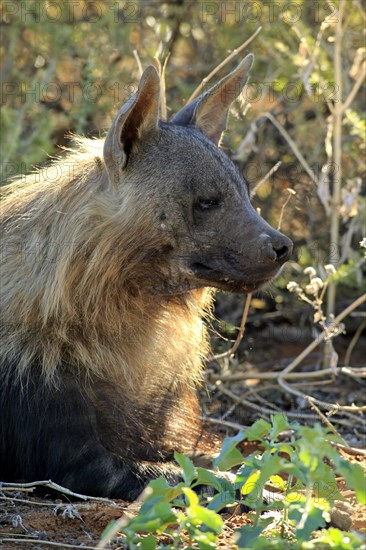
[[91, 437], [107, 276]]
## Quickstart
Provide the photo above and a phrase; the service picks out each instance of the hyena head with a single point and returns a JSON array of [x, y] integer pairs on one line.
[[213, 237]]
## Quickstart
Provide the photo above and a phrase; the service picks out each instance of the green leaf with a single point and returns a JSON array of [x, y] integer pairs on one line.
[[187, 466], [258, 430], [339, 540], [158, 489], [247, 468], [247, 535], [285, 448], [309, 521], [355, 478], [206, 477], [295, 497], [272, 467], [200, 515], [250, 484], [191, 496], [221, 500], [229, 456], [280, 424], [148, 543], [206, 540], [278, 482], [156, 519]]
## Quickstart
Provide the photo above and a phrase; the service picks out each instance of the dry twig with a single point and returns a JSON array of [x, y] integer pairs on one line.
[[46, 543], [226, 423], [241, 330], [290, 193], [164, 108], [55, 487], [323, 418], [358, 302], [337, 150], [138, 61], [290, 376], [233, 54], [353, 342], [265, 178], [350, 450], [287, 374], [29, 502], [293, 146]]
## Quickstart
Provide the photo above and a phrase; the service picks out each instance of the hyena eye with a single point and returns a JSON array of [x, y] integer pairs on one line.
[[206, 204]]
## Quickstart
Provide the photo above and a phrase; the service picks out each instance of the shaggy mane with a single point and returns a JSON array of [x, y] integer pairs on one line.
[[77, 257]]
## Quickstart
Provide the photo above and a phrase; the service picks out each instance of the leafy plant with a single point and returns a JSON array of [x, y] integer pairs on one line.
[[301, 469]]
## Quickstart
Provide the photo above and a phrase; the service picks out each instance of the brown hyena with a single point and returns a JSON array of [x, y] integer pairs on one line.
[[109, 261]]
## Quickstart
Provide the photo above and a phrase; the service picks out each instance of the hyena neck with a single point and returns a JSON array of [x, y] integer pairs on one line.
[[147, 346]]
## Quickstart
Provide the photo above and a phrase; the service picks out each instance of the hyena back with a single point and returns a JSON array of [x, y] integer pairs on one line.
[[110, 258]]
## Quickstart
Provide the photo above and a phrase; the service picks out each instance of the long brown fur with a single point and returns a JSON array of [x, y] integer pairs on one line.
[[79, 292]]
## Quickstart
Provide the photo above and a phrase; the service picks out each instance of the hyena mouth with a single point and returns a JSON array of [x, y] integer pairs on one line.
[[209, 276], [201, 270]]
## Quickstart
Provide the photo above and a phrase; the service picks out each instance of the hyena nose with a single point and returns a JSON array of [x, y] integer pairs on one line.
[[276, 248]]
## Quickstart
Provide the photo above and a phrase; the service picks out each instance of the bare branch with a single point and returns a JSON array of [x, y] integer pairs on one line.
[[55, 487], [356, 87], [164, 109], [283, 375], [349, 450], [265, 178], [47, 543], [225, 423], [290, 193], [138, 61], [233, 54], [241, 330], [337, 150], [293, 145], [290, 376], [323, 418]]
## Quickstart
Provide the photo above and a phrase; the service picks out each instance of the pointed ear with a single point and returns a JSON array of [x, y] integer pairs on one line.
[[209, 111], [136, 118]]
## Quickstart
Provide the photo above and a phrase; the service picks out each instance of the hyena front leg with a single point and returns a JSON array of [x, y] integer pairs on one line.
[[110, 476], [56, 432]]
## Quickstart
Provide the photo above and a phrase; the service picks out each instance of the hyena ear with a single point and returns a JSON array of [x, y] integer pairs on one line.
[[210, 110], [137, 117]]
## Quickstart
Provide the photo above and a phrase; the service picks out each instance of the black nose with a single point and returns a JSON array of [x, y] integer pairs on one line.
[[284, 251], [277, 247]]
